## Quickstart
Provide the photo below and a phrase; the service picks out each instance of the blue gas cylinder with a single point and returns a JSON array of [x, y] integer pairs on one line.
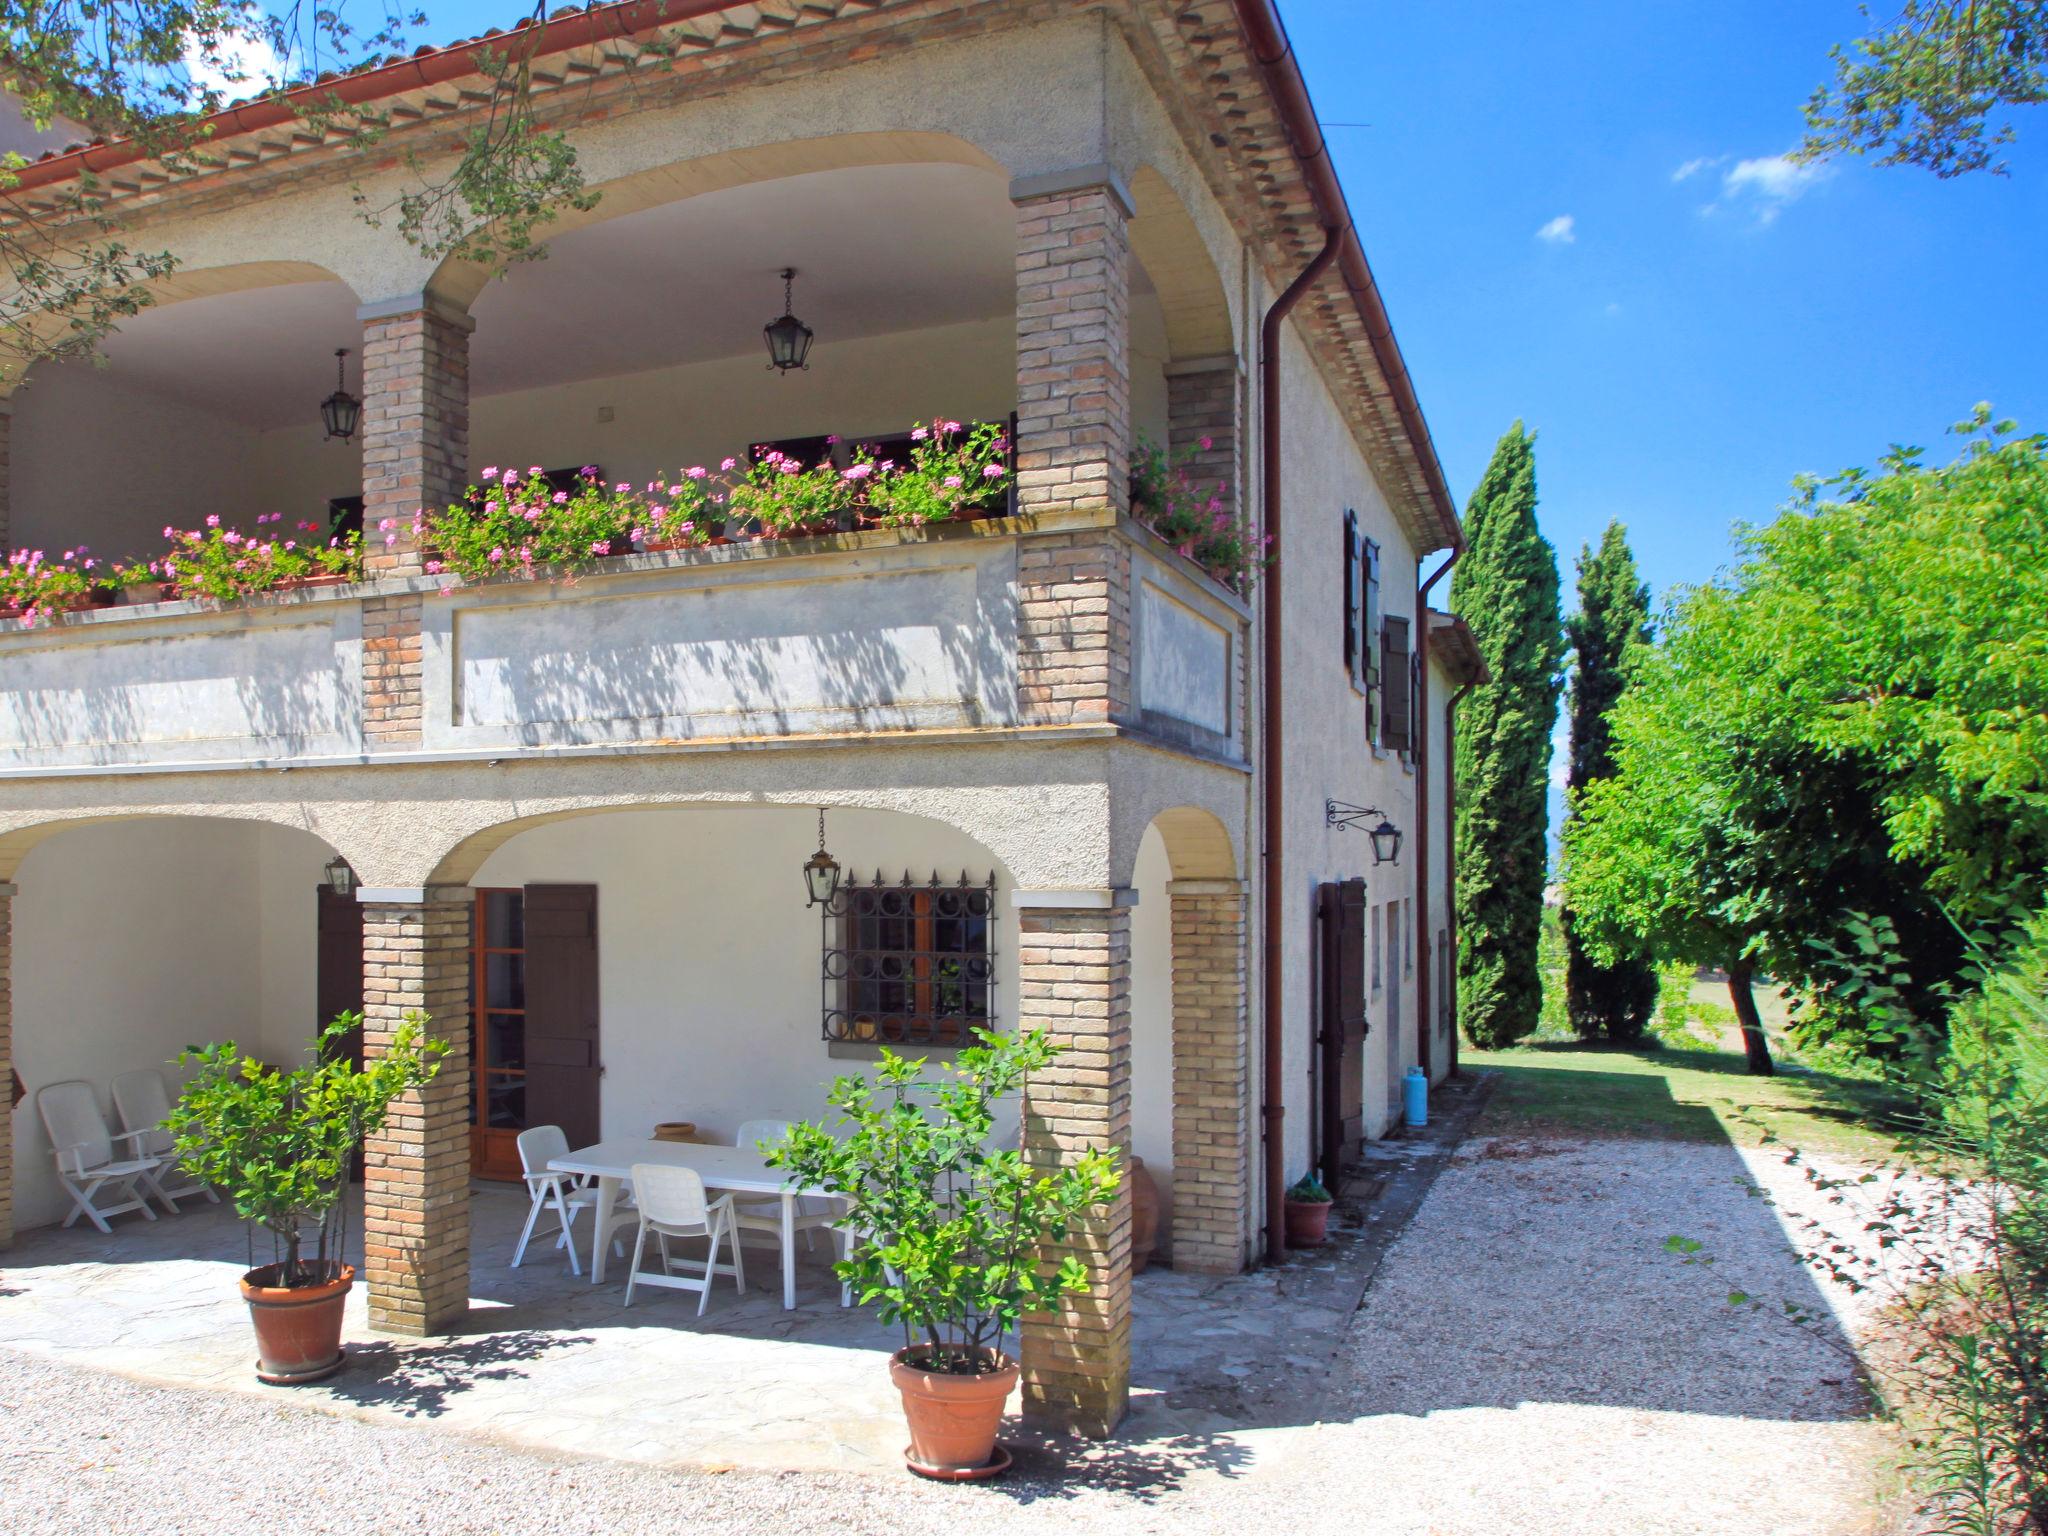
[[1415, 1094]]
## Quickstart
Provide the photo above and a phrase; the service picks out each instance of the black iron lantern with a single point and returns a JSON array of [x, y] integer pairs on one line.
[[821, 870], [789, 339], [341, 878], [341, 410], [1386, 842]]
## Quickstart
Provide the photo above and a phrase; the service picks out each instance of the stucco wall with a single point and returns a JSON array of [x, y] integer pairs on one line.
[[132, 942]]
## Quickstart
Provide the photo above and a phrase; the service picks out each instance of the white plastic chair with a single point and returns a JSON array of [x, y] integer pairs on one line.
[[564, 1193], [144, 1104], [762, 1214], [672, 1204], [86, 1164]]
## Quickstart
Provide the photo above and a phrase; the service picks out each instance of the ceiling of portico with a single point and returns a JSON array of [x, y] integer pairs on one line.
[[877, 249]]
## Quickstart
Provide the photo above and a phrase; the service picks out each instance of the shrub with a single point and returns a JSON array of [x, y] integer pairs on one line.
[[948, 1227]]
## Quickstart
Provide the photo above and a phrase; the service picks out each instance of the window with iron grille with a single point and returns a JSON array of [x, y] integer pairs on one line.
[[909, 962]]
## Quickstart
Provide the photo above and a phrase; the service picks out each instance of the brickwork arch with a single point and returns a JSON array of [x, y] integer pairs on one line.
[[1170, 248]]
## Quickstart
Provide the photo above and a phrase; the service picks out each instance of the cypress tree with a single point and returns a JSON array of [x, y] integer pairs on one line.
[[1506, 589], [1613, 621]]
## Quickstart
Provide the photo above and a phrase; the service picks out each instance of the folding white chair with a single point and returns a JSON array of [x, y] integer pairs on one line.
[[564, 1193], [762, 1214], [144, 1104], [86, 1164], [672, 1204]]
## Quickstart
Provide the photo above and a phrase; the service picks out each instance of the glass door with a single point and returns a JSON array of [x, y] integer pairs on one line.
[[497, 1112]]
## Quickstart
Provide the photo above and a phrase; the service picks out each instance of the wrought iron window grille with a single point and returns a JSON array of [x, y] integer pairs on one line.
[[909, 962]]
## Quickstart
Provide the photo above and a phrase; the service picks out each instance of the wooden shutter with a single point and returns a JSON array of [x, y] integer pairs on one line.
[[1340, 910], [1351, 592], [338, 967], [1369, 636], [1397, 679], [562, 1062]]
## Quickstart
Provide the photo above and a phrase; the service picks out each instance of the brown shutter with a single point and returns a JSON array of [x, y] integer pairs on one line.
[[1396, 681], [562, 1062], [1351, 590], [338, 967], [1340, 909]]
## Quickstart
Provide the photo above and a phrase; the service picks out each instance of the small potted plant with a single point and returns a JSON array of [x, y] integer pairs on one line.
[[280, 1145], [947, 1230], [1308, 1213]]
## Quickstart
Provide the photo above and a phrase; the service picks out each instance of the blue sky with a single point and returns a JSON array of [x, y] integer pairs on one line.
[[1683, 346]]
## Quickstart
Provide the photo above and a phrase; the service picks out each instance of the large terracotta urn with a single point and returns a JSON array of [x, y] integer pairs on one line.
[[1144, 1214]]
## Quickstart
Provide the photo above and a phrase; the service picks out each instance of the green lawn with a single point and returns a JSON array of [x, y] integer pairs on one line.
[[1683, 1094]]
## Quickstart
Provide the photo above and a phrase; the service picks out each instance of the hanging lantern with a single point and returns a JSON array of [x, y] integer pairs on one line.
[[789, 339], [341, 878], [821, 870], [341, 410], [1386, 843]]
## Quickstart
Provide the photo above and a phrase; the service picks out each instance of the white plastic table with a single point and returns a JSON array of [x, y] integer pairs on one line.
[[739, 1170]]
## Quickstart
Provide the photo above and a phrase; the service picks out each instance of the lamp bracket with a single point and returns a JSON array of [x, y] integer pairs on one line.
[[1341, 813]]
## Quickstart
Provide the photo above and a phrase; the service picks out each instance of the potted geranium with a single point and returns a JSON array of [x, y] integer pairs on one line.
[[1308, 1213], [947, 1229], [280, 1144], [1194, 518], [954, 472]]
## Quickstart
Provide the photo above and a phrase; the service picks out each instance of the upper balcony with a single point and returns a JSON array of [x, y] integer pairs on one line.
[[936, 288]]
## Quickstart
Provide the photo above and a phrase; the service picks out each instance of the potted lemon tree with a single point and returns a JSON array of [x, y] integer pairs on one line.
[[947, 1229], [279, 1144]]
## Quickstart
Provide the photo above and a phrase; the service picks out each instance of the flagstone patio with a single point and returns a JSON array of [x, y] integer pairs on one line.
[[550, 1361]]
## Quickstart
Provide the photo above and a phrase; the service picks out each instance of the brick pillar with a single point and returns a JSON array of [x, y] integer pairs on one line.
[[1204, 398], [7, 894], [392, 708], [1073, 628], [415, 424], [1074, 965], [1073, 345], [1211, 1077], [416, 1170]]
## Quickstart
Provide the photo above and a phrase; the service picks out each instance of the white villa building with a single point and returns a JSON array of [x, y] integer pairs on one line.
[[1127, 801]]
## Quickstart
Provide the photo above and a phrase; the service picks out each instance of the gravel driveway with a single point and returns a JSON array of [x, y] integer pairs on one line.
[[1528, 1360]]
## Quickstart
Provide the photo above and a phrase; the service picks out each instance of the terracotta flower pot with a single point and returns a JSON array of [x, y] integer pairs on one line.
[[953, 1418], [1144, 1215], [298, 1329], [1308, 1223]]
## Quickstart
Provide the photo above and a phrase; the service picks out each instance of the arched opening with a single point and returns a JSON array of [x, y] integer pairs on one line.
[[208, 404], [1189, 1052], [636, 344], [710, 992], [134, 938]]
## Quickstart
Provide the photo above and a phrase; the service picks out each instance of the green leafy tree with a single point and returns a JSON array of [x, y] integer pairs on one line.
[[154, 72], [949, 1226], [1607, 633], [1931, 86], [280, 1143], [1506, 589]]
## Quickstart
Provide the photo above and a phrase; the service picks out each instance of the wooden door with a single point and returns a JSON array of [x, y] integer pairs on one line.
[[338, 977], [562, 1061], [1340, 908]]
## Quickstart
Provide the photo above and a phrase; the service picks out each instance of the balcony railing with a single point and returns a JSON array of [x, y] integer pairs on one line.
[[881, 631]]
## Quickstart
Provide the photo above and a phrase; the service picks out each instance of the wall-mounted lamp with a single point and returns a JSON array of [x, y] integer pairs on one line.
[[1386, 837]]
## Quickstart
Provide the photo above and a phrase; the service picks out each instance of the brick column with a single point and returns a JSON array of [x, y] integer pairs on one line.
[[1073, 628], [7, 894], [1074, 965], [416, 1170], [1211, 1077], [1073, 345], [415, 423], [415, 455], [1203, 400]]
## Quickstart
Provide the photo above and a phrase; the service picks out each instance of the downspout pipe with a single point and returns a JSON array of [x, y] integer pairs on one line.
[[1272, 840], [1425, 990]]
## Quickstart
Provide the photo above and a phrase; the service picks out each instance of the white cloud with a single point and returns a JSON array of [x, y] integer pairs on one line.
[[242, 66], [1765, 185], [1558, 231], [1693, 167]]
